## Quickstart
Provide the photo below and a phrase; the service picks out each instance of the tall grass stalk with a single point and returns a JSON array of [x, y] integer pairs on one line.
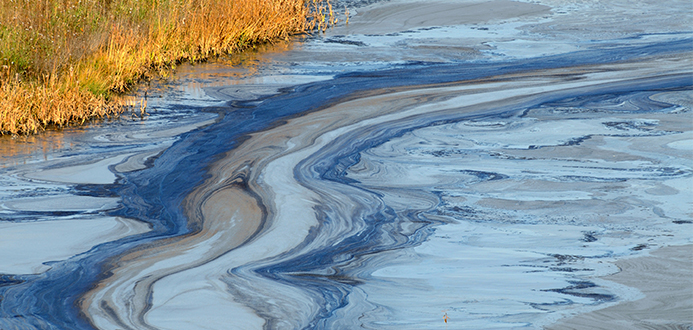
[[66, 61]]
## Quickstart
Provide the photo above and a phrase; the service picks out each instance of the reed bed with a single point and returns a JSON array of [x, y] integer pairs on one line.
[[66, 61]]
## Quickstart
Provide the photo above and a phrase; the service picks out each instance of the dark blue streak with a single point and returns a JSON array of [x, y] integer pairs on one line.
[[154, 195]]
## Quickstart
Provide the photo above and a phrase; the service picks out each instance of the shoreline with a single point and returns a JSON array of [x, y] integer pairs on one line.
[[62, 69]]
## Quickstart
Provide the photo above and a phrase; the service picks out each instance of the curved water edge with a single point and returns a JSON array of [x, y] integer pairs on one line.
[[490, 191]]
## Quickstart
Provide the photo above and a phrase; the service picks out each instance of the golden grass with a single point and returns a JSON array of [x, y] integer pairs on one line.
[[65, 61]]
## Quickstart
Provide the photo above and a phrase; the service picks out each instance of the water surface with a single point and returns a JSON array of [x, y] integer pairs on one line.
[[488, 161]]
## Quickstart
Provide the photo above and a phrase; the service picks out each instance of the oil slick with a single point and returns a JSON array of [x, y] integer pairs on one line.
[[499, 191]]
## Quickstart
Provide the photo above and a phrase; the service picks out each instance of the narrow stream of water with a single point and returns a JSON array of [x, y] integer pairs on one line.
[[461, 164]]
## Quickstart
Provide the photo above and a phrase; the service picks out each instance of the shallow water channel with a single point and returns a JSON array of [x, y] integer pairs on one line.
[[444, 164]]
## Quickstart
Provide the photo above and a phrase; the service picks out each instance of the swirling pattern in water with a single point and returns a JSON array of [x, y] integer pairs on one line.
[[318, 207]]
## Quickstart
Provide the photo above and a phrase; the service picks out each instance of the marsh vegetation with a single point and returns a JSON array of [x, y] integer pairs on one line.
[[66, 61]]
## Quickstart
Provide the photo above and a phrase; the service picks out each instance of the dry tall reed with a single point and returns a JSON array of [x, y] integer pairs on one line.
[[65, 61]]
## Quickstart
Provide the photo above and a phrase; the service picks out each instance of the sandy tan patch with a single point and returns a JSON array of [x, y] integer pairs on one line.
[[666, 279], [391, 17]]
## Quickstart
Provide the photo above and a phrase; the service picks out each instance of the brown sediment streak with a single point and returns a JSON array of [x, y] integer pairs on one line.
[[229, 215], [228, 204], [232, 192], [236, 208]]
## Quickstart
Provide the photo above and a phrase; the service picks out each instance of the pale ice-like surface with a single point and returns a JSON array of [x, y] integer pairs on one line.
[[26, 247], [96, 173], [59, 203]]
